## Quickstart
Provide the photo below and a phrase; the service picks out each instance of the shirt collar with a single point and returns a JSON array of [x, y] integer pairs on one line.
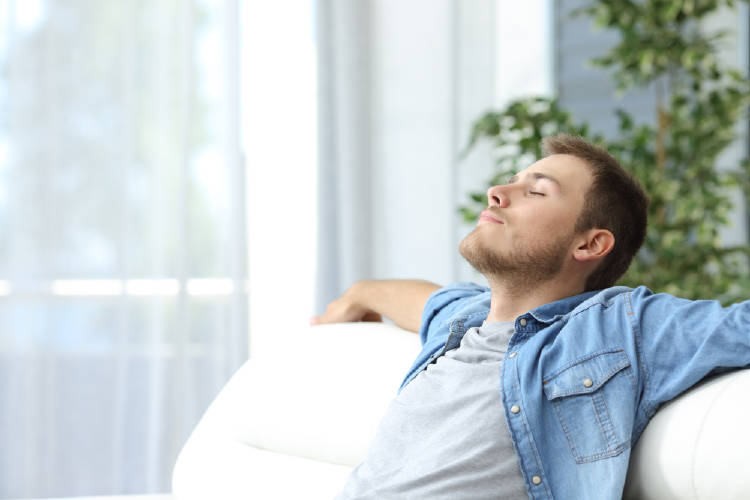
[[548, 313]]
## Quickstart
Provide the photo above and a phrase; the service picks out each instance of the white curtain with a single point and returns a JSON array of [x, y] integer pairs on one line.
[[123, 305], [344, 153]]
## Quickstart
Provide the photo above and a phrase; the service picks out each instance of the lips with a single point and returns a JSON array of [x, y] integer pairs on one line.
[[489, 217]]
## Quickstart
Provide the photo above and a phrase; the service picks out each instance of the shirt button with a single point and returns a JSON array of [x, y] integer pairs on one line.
[[587, 382], [512, 355], [523, 322], [536, 480], [515, 409]]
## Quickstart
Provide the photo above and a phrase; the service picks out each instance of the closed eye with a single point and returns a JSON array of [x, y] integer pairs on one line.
[[537, 193]]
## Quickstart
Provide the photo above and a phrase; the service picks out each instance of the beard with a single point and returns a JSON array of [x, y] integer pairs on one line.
[[521, 265]]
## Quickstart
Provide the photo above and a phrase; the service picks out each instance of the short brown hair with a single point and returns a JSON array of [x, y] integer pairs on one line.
[[615, 201]]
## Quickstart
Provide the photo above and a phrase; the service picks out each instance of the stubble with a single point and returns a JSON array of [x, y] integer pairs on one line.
[[520, 265]]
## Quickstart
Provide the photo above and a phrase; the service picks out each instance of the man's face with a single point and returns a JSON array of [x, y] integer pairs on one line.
[[528, 229]]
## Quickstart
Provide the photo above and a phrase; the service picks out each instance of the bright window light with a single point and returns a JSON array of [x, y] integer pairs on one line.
[[152, 287], [204, 287], [29, 13], [86, 287], [210, 287]]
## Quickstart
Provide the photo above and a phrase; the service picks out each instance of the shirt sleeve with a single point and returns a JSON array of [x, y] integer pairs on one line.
[[682, 341], [442, 303]]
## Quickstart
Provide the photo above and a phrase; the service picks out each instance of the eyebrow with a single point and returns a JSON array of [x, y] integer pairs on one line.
[[537, 175]]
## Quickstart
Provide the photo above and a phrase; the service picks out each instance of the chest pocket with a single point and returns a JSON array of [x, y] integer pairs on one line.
[[593, 400]]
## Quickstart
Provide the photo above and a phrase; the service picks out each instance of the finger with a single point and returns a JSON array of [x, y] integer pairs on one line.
[[372, 316]]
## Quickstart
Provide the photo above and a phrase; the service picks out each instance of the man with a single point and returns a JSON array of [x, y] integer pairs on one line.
[[538, 386]]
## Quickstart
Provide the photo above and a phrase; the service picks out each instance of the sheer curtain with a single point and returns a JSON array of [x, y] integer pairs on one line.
[[123, 303], [344, 33]]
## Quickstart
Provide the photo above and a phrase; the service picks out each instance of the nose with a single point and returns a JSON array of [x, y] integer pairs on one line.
[[498, 197]]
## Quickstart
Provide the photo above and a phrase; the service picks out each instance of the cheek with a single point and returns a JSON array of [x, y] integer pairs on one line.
[[556, 220]]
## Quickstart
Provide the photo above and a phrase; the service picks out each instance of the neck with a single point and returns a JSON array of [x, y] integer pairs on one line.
[[511, 297]]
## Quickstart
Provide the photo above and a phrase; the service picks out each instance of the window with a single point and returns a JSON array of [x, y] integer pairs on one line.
[[123, 284]]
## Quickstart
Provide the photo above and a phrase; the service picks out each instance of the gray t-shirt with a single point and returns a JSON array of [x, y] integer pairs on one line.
[[444, 436]]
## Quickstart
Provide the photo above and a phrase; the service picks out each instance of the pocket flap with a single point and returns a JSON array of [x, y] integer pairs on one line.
[[585, 376]]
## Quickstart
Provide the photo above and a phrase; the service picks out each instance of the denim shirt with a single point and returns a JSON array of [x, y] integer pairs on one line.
[[582, 376]]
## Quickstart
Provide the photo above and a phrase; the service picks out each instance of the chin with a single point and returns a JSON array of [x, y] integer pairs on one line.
[[468, 244], [475, 252]]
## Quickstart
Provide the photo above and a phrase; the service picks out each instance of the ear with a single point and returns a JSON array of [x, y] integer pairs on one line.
[[594, 244]]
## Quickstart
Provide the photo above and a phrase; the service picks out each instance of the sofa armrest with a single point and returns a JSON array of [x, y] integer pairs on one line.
[[303, 417], [223, 469], [698, 446]]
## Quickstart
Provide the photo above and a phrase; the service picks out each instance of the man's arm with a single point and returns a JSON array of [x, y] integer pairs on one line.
[[681, 341], [399, 300]]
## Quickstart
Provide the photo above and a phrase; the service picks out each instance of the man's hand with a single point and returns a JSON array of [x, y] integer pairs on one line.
[[347, 308], [370, 300]]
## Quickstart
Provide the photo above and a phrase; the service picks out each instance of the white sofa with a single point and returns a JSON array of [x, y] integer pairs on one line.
[[293, 426]]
